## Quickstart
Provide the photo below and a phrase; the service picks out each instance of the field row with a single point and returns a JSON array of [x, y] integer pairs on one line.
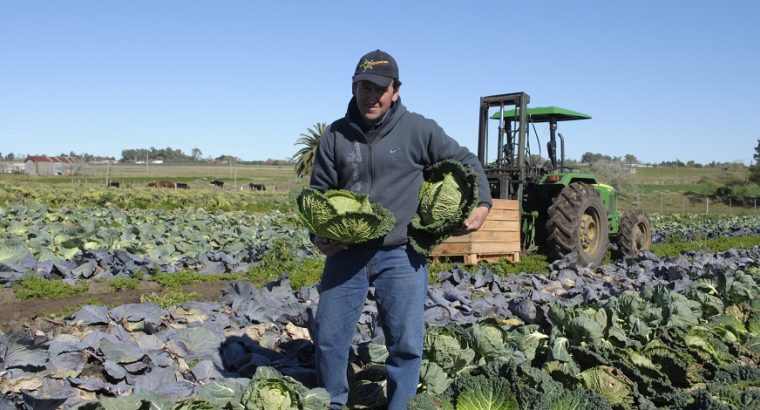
[[644, 334]]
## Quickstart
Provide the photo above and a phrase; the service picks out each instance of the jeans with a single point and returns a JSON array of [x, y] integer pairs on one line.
[[400, 278]]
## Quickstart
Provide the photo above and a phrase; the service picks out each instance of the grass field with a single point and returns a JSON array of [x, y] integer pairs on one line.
[[198, 176], [658, 190]]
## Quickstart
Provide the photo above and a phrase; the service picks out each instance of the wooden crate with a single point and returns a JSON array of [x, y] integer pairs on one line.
[[499, 237]]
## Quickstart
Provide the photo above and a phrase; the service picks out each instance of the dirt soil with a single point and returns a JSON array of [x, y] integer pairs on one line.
[[30, 314]]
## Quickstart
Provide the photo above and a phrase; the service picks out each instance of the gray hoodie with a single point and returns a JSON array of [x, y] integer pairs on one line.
[[386, 162]]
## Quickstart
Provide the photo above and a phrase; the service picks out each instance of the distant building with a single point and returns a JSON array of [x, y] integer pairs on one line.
[[102, 162], [43, 165], [12, 168]]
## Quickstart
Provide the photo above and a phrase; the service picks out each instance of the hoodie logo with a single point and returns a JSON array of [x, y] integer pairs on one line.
[[395, 150]]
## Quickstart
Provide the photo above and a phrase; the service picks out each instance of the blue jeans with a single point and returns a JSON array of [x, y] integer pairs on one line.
[[400, 278]]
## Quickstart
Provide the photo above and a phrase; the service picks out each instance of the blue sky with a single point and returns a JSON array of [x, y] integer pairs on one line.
[[663, 80]]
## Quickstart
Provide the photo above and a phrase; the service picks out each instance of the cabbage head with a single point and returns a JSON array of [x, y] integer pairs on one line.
[[448, 195], [439, 200], [610, 383], [341, 215], [271, 390]]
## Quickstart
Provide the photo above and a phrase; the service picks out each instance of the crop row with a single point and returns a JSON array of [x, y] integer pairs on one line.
[[92, 243], [99, 243], [694, 227], [73, 196], [680, 333]]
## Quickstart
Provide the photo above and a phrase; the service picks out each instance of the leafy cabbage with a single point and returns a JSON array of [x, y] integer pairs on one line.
[[271, 390], [341, 215], [447, 197]]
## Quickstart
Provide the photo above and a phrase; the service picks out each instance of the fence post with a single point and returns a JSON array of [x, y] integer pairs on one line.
[[660, 204], [707, 204]]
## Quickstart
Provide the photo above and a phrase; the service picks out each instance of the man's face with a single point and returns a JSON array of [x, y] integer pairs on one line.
[[373, 100]]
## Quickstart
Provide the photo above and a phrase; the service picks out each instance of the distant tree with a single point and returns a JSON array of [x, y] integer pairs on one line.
[[10, 156], [631, 159], [305, 156], [590, 157], [754, 169], [196, 154], [615, 173]]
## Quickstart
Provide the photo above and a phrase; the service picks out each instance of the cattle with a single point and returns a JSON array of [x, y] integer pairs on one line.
[[113, 184], [182, 185], [257, 187], [217, 183], [161, 184]]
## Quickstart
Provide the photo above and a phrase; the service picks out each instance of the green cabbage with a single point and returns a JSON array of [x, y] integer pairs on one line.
[[447, 197], [439, 200], [341, 215], [610, 383], [271, 390]]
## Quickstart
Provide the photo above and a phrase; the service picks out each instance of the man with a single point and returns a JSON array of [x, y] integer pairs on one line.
[[380, 149]]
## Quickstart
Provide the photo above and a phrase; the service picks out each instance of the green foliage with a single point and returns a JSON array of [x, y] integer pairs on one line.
[[183, 278], [194, 404], [449, 347], [754, 175], [307, 154], [37, 287], [278, 259], [533, 263], [480, 392], [341, 215], [427, 401], [117, 284], [169, 298], [721, 244], [133, 199]]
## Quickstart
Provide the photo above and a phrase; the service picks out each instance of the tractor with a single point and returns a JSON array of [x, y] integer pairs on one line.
[[561, 210]]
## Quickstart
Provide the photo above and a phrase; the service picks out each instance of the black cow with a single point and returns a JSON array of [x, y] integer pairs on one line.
[[257, 187], [182, 185], [113, 184], [217, 183]]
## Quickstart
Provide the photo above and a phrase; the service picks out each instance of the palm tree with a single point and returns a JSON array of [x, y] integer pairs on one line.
[[305, 156]]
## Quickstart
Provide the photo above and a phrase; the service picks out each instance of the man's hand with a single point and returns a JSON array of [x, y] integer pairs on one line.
[[474, 222], [327, 246]]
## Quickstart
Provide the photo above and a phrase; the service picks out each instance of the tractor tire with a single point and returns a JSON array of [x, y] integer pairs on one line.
[[634, 234], [577, 222]]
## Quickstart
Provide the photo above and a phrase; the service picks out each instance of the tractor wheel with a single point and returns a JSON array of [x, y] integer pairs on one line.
[[577, 222], [634, 234]]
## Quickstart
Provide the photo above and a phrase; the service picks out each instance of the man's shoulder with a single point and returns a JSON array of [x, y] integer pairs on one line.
[[419, 121], [339, 125]]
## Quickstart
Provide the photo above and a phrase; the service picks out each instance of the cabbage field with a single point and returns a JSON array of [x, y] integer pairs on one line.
[[680, 332]]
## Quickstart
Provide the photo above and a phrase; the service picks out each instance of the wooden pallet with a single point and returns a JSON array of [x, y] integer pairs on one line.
[[474, 258], [499, 237]]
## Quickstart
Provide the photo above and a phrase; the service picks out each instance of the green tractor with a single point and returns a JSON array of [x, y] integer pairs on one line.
[[561, 211]]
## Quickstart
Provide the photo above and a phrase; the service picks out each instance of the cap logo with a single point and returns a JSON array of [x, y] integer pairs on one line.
[[370, 64]]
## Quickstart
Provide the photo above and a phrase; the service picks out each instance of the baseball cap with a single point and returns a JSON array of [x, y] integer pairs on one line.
[[376, 66]]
